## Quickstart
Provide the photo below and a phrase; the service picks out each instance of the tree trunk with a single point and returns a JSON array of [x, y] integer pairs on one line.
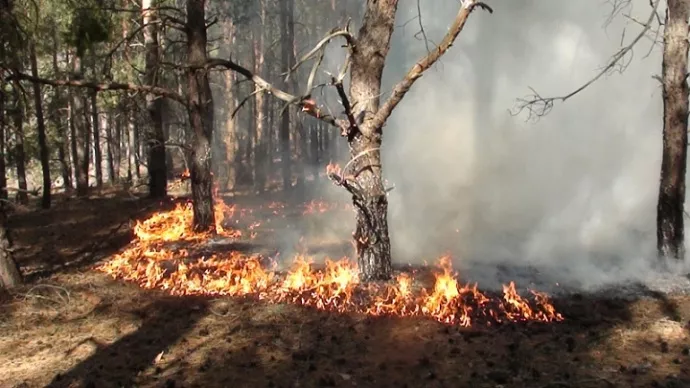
[[155, 138], [10, 276], [670, 209], [371, 237], [287, 60], [41, 127], [57, 118], [3, 130], [260, 101], [109, 146], [97, 156], [117, 144], [230, 140], [19, 154], [79, 131], [200, 118]]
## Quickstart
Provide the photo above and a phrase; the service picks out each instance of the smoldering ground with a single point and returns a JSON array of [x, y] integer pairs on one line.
[[567, 200]]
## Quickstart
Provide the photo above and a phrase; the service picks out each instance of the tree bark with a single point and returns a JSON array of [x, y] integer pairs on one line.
[[95, 125], [200, 118], [155, 138], [57, 119], [230, 140], [109, 146], [259, 152], [19, 154], [287, 62], [79, 131], [10, 276], [41, 127], [372, 241], [670, 209], [3, 130]]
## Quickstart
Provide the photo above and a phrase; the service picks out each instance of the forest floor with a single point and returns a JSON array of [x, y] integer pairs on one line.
[[71, 326]]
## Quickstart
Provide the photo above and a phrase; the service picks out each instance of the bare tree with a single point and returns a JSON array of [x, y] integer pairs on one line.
[[364, 118], [43, 146]]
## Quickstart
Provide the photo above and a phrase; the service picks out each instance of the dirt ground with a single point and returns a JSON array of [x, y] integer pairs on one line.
[[71, 326]]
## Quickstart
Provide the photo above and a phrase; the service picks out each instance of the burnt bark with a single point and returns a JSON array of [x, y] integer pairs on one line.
[[670, 208], [155, 137], [10, 276], [41, 127], [200, 107]]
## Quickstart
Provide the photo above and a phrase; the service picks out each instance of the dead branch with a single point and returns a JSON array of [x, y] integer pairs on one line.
[[320, 46], [305, 103], [159, 91], [539, 106], [426, 62]]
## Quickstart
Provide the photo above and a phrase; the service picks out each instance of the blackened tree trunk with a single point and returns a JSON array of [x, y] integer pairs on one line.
[[155, 138], [41, 127], [95, 125], [670, 209], [200, 118], [10, 276]]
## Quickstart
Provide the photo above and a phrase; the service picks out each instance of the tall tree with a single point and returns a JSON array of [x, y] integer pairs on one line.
[[41, 127], [287, 59], [671, 206], [155, 137], [200, 106]]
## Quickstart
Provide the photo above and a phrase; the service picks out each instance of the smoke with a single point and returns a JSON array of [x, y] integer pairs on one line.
[[573, 195]]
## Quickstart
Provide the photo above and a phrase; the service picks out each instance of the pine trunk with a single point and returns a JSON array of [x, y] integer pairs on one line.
[[10, 276], [41, 127], [200, 118], [155, 138], [670, 209]]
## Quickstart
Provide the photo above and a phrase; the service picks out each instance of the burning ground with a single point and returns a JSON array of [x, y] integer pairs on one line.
[[157, 305]]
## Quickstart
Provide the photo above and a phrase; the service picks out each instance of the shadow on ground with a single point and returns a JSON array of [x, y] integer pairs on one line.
[[76, 233], [227, 342]]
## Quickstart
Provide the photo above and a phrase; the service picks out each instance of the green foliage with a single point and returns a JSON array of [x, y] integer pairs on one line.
[[89, 25]]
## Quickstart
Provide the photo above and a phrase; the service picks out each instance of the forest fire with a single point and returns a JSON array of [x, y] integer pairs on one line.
[[153, 263]]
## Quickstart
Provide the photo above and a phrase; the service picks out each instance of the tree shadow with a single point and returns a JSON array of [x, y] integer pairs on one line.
[[76, 233], [164, 321]]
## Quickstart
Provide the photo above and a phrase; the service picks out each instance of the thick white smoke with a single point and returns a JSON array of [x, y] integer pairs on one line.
[[573, 194]]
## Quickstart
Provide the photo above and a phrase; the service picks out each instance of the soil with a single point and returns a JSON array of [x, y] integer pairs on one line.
[[71, 326]]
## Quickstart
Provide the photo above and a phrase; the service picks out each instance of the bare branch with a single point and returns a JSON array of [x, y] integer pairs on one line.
[[306, 104], [426, 62], [159, 91], [539, 106], [320, 46]]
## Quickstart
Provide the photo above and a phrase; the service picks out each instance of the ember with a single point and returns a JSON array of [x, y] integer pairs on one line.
[[152, 263]]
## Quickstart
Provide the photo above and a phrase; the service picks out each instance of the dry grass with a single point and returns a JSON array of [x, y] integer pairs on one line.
[[72, 327]]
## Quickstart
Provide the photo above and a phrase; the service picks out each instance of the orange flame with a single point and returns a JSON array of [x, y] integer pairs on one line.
[[152, 263]]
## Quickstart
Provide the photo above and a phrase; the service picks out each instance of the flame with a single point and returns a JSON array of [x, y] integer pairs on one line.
[[154, 260]]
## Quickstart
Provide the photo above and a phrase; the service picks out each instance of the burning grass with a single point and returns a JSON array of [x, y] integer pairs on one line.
[[152, 263]]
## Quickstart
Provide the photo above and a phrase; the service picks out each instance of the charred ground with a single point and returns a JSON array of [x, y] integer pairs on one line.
[[72, 326]]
